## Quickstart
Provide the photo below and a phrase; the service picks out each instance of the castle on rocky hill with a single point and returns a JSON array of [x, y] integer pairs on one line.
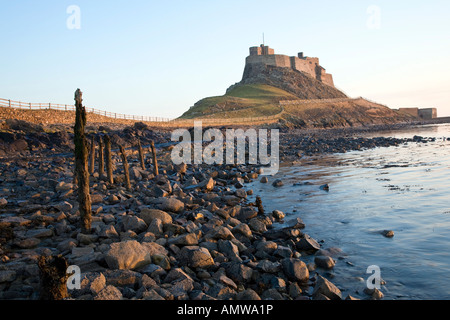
[[266, 55]]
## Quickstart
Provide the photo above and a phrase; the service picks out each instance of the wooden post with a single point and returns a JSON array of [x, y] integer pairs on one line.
[[141, 155], [109, 169], [155, 160], [126, 168], [92, 157], [53, 277], [101, 161], [81, 164]]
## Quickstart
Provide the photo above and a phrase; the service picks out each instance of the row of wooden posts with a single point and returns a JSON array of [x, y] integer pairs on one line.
[[83, 170], [105, 153], [53, 270]]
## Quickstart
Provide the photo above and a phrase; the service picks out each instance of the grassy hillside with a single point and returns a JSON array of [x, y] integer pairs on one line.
[[350, 113], [253, 100], [260, 100]]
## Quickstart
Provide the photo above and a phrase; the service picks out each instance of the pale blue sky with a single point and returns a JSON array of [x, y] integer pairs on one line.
[[157, 58]]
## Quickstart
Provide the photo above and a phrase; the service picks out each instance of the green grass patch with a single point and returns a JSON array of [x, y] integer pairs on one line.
[[256, 100]]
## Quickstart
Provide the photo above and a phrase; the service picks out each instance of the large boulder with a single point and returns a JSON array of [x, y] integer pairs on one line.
[[248, 295], [327, 289], [246, 213], [187, 239], [307, 244], [325, 262], [243, 229], [219, 232], [155, 249], [123, 278], [109, 293], [134, 223], [238, 272], [148, 215], [127, 255], [295, 269], [195, 257], [229, 249], [170, 204]]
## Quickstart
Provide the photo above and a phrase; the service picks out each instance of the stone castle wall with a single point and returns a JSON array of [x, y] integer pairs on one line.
[[428, 113], [276, 60], [308, 65], [328, 79], [424, 113]]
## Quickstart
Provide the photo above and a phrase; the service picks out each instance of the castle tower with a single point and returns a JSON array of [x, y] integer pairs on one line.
[[309, 65], [262, 50]]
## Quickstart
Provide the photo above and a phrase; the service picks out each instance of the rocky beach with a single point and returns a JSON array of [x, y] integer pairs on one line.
[[187, 233]]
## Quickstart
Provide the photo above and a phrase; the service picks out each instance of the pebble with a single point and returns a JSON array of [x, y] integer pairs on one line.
[[278, 183], [388, 233]]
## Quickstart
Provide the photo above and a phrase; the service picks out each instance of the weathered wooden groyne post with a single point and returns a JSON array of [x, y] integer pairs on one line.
[[141, 155], [101, 160], [92, 157], [109, 168], [155, 160], [81, 164], [53, 278], [126, 167]]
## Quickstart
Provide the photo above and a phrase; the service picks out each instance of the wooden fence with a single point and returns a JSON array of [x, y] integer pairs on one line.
[[165, 122], [64, 107], [156, 121]]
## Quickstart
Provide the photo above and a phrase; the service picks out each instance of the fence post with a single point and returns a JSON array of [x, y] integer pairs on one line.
[[9, 102], [30, 105], [49, 106]]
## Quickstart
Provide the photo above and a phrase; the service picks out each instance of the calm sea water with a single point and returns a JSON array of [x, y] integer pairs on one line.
[[405, 189]]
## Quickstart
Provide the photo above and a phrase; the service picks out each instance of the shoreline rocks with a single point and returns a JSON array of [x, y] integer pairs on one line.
[[188, 233]]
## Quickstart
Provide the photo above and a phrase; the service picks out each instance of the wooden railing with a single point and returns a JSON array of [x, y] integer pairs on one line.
[[64, 107], [159, 121]]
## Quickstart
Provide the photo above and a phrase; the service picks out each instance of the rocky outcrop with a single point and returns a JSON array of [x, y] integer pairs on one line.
[[298, 83], [20, 137]]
